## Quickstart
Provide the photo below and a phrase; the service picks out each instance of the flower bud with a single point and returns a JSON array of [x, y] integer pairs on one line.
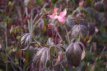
[[26, 38], [99, 6], [70, 21], [79, 31], [75, 53]]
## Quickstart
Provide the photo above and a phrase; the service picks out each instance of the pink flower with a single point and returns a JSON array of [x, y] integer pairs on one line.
[[61, 17], [54, 15]]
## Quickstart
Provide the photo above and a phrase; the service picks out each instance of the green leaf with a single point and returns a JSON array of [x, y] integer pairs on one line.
[[40, 2], [89, 1], [54, 1], [73, 1], [102, 38]]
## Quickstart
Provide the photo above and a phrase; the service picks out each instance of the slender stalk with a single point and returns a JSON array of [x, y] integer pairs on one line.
[[41, 12], [6, 45], [70, 68], [28, 21], [67, 36]]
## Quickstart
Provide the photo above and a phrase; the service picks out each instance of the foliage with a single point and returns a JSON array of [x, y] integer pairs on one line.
[[53, 35]]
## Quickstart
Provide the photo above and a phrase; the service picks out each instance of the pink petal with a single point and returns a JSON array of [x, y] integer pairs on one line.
[[61, 19], [63, 13], [55, 11], [52, 16]]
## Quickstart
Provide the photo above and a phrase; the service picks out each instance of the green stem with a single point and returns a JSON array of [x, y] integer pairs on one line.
[[6, 43]]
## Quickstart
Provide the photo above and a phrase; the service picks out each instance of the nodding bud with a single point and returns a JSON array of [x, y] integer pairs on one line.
[[79, 31], [70, 21], [99, 6], [26, 39], [41, 58], [75, 52]]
